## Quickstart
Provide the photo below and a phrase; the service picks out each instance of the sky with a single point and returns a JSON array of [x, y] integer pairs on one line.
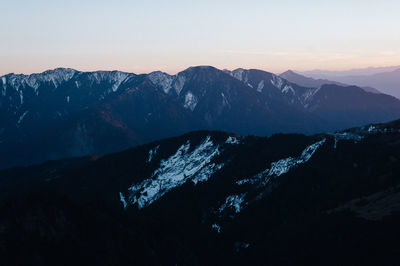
[[171, 35]]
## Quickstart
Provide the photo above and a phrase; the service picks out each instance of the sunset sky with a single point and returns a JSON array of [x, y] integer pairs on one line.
[[143, 36]]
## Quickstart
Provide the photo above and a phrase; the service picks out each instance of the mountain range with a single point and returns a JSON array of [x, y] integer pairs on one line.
[[65, 113], [210, 197], [316, 83], [319, 73], [386, 80]]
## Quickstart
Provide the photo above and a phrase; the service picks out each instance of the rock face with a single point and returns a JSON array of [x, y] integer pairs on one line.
[[211, 197], [63, 112]]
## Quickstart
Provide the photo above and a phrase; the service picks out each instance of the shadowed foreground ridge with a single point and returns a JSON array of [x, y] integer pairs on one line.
[[211, 197]]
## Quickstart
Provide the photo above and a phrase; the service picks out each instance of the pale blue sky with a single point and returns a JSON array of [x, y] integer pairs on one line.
[[142, 36]]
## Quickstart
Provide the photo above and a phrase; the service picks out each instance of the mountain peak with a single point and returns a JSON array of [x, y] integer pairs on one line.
[[290, 73], [204, 69]]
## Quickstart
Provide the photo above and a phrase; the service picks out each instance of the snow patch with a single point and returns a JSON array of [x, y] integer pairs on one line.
[[216, 227], [238, 74], [32, 82], [234, 202], [260, 86], [375, 130], [241, 245], [117, 78], [225, 101], [22, 117], [122, 199], [190, 101], [283, 166], [232, 140], [179, 83], [162, 80], [346, 136], [173, 172], [288, 88], [308, 94], [56, 77], [206, 172], [67, 99], [371, 129], [152, 153], [21, 97], [277, 81]]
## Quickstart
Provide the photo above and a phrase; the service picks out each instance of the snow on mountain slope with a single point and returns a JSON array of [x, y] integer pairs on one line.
[[55, 77], [190, 101], [166, 82], [234, 202], [183, 166], [58, 88], [265, 82], [198, 165], [162, 80], [186, 193], [59, 76], [116, 78]]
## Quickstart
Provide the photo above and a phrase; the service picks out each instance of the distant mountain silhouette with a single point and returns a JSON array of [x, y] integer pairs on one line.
[[328, 74], [387, 82], [315, 83]]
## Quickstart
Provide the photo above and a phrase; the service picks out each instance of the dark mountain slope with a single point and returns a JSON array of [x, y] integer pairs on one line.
[[212, 198], [345, 105]]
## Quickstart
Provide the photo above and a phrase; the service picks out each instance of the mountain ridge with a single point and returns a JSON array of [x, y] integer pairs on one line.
[[315, 83], [67, 113], [385, 81], [220, 197]]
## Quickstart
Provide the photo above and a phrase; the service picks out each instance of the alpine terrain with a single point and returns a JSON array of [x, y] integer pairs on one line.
[[210, 197], [66, 113]]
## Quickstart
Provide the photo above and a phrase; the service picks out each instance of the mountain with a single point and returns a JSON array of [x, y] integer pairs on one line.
[[315, 83], [386, 80], [67, 113], [339, 106], [328, 74], [306, 81], [211, 197]]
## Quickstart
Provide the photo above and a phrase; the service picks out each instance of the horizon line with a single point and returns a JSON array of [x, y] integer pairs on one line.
[[185, 68]]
